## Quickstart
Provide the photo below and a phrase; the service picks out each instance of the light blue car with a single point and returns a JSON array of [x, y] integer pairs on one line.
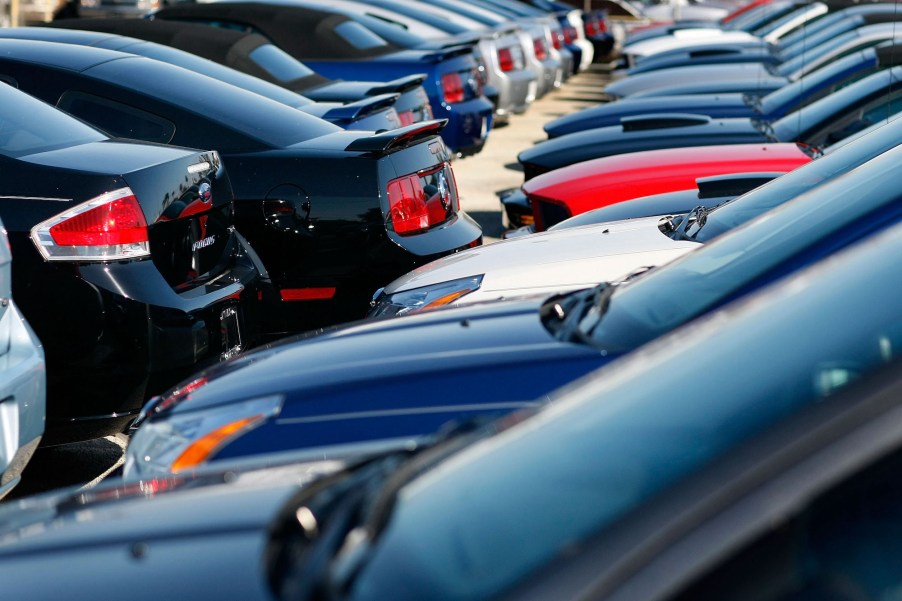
[[22, 383]]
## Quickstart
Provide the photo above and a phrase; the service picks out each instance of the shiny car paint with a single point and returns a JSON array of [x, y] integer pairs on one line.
[[779, 437], [119, 330], [569, 191], [368, 114], [252, 54], [819, 124], [303, 187], [322, 49], [23, 383], [767, 107]]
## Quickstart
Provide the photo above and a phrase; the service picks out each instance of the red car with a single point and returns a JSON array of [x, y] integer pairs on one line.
[[575, 189]]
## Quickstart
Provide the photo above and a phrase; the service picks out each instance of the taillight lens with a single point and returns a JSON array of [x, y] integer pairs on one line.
[[557, 39], [541, 48], [407, 117], [110, 227], [506, 59], [570, 34], [453, 87], [421, 200]]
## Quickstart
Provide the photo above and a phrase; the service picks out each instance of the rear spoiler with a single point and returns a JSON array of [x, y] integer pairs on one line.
[[662, 121], [400, 85], [382, 142], [437, 56], [732, 184], [360, 109]]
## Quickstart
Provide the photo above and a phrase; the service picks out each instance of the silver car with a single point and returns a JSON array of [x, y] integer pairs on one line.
[[22, 382]]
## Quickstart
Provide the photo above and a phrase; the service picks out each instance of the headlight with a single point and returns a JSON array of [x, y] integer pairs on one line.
[[427, 297], [171, 443]]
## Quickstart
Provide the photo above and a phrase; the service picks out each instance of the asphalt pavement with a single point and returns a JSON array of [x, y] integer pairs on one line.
[[480, 179]]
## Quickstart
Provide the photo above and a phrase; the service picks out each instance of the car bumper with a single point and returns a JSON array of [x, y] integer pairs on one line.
[[146, 338], [516, 92], [469, 123]]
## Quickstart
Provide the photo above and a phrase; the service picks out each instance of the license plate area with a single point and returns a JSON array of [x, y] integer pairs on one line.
[[230, 332]]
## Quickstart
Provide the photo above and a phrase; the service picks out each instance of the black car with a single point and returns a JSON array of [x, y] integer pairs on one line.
[[373, 113], [333, 214], [127, 264], [253, 54], [756, 452]]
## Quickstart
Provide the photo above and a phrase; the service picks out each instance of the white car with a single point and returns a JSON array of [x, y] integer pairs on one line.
[[548, 262], [22, 382]]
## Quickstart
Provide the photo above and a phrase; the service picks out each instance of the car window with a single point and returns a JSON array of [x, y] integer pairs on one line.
[[117, 119], [278, 63], [845, 546], [359, 36], [29, 126]]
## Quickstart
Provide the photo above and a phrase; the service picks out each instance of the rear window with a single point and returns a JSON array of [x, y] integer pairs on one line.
[[278, 63], [359, 36], [29, 126]]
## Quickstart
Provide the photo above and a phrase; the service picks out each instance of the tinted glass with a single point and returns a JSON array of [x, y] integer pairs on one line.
[[789, 67], [492, 515], [278, 63], [28, 126], [359, 36], [794, 183], [270, 122], [711, 275], [117, 119]]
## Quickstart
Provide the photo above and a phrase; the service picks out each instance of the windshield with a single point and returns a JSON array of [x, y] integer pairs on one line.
[[813, 35], [844, 108], [502, 509], [818, 84], [792, 68], [29, 126]]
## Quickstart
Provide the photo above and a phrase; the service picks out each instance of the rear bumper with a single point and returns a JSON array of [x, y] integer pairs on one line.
[[146, 337], [516, 92], [22, 398], [469, 123]]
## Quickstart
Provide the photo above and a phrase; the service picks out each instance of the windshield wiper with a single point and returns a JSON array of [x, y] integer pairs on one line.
[[766, 129], [696, 217], [564, 316]]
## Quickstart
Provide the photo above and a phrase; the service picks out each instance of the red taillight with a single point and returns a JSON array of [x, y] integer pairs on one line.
[[453, 87], [109, 227], [420, 200], [506, 59], [541, 48], [557, 40], [570, 34]]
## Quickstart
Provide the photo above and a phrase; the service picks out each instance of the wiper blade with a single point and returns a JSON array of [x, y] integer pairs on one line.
[[697, 218], [566, 316]]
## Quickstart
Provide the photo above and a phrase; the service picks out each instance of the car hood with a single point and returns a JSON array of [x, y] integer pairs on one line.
[[720, 105], [686, 38], [454, 340], [144, 536], [553, 261], [681, 75]]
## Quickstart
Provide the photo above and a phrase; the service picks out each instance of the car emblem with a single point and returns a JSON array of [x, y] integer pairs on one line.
[[205, 193], [443, 190]]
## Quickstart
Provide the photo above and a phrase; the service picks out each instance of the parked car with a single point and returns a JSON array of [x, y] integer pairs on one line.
[[339, 46], [135, 239], [376, 382], [23, 383], [786, 461], [333, 214], [569, 259], [818, 124], [769, 107], [823, 29], [751, 78], [503, 51], [253, 54], [370, 114]]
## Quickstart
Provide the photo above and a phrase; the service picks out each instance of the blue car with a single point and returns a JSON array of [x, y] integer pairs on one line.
[[813, 33], [816, 125], [770, 107], [355, 386], [752, 78], [755, 454], [338, 46]]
